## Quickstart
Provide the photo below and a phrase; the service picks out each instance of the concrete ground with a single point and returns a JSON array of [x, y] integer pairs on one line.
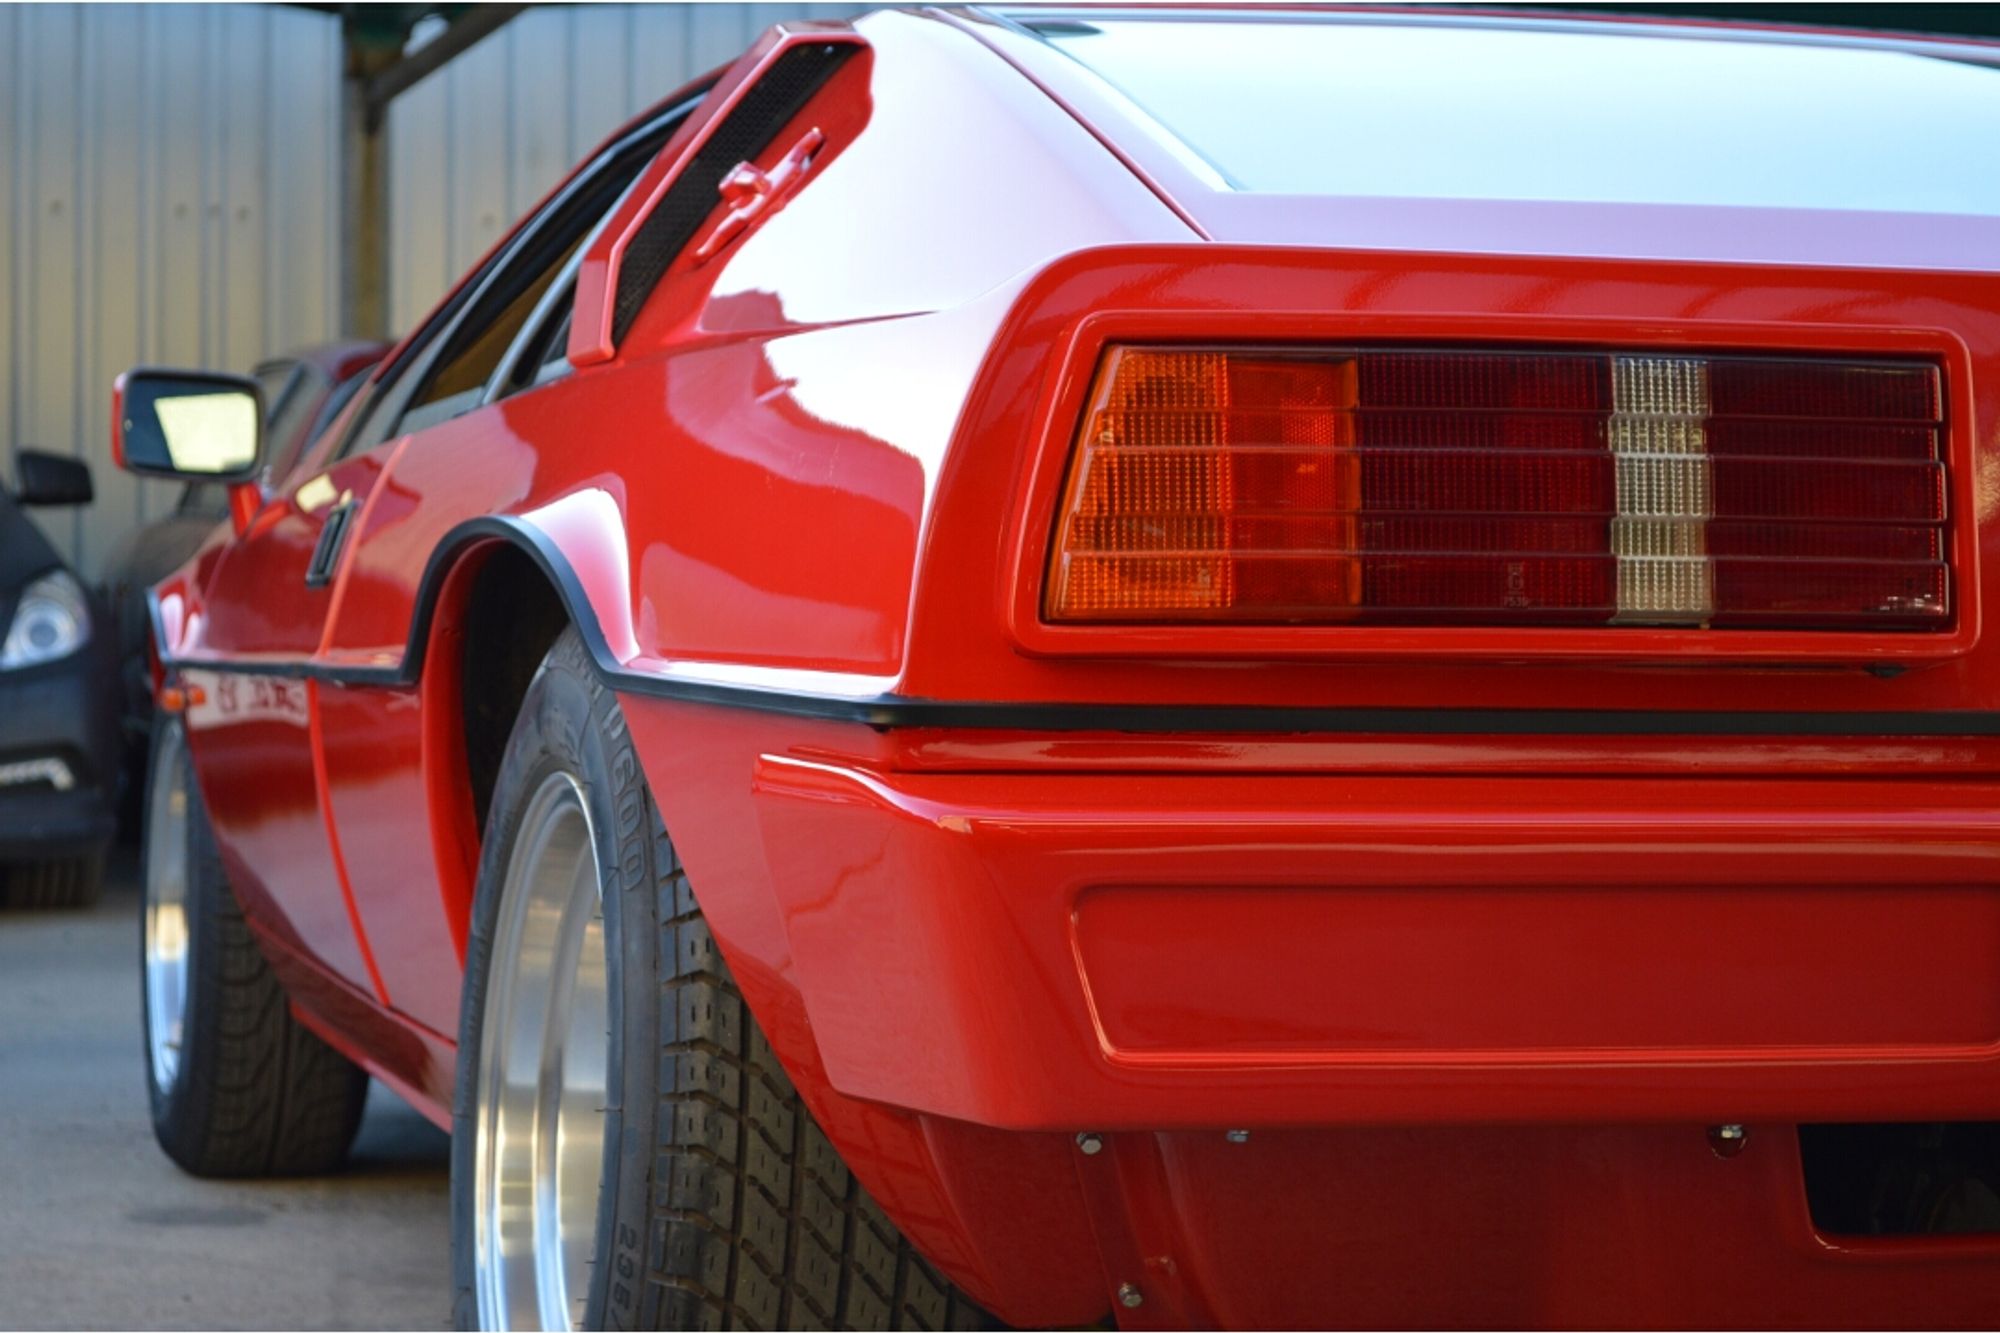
[[99, 1230]]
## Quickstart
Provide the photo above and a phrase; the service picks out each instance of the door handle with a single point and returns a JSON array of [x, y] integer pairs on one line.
[[332, 536], [750, 192]]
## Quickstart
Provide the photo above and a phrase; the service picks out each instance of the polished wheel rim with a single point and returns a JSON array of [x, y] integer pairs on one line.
[[544, 1051], [166, 916]]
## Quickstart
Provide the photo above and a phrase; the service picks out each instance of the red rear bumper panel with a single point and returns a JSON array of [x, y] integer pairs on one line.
[[1066, 952], [1356, 1044]]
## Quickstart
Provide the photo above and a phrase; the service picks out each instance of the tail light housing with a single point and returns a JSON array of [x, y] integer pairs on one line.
[[1466, 487]]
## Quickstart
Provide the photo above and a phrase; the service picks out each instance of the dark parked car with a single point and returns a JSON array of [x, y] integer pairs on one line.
[[58, 696], [303, 391]]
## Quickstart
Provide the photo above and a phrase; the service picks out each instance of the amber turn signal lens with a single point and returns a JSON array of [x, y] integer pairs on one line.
[[1460, 486]]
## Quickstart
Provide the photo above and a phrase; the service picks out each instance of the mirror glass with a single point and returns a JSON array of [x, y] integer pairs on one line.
[[191, 425]]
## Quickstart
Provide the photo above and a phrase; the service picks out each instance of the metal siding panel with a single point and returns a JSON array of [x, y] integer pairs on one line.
[[150, 500], [239, 221], [176, 151], [537, 108], [277, 211], [137, 215], [661, 61], [50, 385], [13, 134], [717, 34], [189, 134], [300, 163], [477, 86], [180, 151], [600, 85], [331, 178], [115, 271], [419, 223], [212, 111]]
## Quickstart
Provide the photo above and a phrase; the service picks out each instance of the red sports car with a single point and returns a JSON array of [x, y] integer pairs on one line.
[[1201, 668]]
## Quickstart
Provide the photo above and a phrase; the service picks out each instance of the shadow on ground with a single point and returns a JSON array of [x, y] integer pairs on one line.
[[100, 1230]]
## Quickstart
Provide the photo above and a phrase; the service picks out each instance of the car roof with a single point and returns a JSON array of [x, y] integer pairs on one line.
[[1839, 223], [1777, 23], [336, 360]]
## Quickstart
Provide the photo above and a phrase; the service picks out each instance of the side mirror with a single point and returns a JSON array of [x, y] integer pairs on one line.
[[50, 479], [187, 424]]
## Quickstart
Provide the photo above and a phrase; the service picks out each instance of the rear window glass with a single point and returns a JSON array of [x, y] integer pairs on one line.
[[1329, 106]]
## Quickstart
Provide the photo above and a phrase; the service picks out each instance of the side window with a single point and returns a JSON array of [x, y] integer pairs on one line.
[[291, 390], [458, 379], [343, 392], [283, 385], [458, 382], [545, 354], [450, 368]]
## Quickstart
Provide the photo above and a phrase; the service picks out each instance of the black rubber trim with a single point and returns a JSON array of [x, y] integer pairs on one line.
[[896, 712], [779, 94], [406, 673]]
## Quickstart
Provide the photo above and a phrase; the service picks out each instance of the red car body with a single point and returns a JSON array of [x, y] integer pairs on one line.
[[1474, 933]]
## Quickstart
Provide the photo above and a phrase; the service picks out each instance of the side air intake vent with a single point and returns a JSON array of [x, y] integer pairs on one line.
[[745, 131]]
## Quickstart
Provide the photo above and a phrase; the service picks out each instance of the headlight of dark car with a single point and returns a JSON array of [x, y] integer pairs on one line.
[[51, 620]]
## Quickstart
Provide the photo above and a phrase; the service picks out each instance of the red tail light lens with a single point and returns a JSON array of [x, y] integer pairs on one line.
[[1510, 488]]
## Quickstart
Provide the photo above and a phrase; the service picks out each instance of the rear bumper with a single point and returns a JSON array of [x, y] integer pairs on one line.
[[1477, 1027], [1520, 1226], [1044, 952]]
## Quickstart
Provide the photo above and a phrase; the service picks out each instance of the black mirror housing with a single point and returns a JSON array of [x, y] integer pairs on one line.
[[50, 479], [191, 425]]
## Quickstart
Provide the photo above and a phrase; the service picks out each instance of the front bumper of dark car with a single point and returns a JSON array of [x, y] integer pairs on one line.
[[59, 756]]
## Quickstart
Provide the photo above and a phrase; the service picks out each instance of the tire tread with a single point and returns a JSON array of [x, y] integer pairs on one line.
[[259, 1093], [764, 1225]]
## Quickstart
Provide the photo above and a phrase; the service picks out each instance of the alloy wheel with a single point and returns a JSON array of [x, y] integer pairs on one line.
[[166, 907], [539, 1153]]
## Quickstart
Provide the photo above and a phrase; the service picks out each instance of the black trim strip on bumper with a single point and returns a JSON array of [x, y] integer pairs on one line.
[[897, 712]]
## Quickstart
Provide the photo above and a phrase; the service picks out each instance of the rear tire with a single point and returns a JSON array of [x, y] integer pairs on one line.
[[239, 1087], [73, 881], [720, 1203]]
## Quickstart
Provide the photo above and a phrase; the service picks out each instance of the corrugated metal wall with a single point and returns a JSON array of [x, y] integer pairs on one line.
[[168, 180], [477, 144]]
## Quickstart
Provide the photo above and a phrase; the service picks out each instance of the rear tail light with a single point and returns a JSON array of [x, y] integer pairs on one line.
[[1507, 488]]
